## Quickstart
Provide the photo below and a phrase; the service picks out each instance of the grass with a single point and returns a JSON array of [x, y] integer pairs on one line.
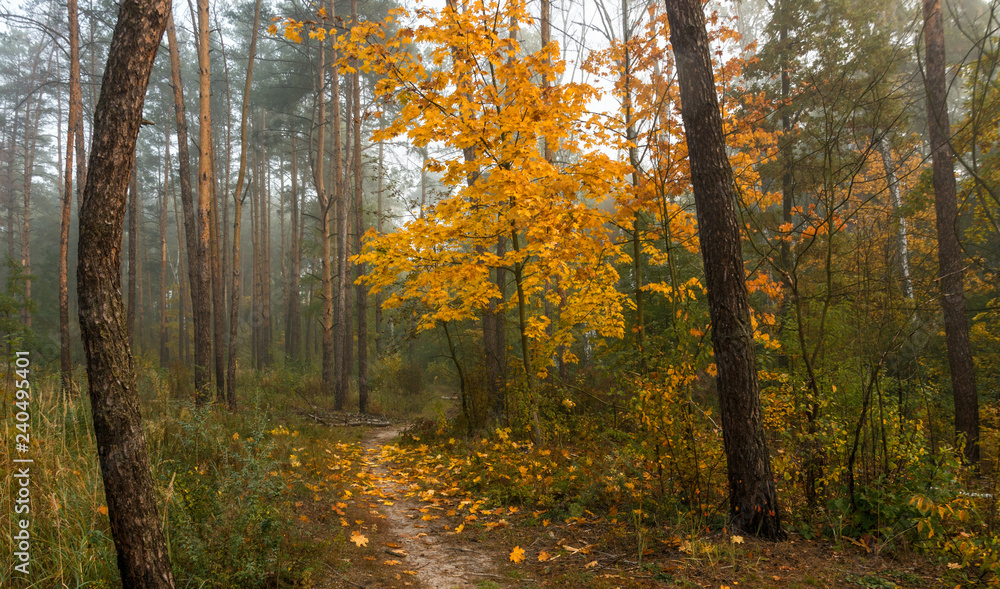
[[225, 486]]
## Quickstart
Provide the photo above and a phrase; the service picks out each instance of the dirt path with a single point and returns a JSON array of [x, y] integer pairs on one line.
[[439, 564]]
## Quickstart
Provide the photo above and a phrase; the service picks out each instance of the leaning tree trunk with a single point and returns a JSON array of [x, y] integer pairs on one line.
[[753, 503], [950, 273], [121, 445]]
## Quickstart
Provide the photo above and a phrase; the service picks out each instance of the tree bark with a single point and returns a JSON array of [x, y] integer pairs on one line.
[[164, 350], [121, 445], [342, 362], [902, 240], [74, 135], [195, 284], [329, 367], [203, 306], [361, 305], [30, 142], [235, 291], [379, 336], [133, 255], [293, 324], [951, 271], [753, 503]]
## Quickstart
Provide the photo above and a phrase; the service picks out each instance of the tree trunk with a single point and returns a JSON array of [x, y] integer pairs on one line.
[[133, 255], [74, 134], [902, 240], [202, 306], [361, 305], [951, 271], [195, 283], [379, 336], [293, 324], [164, 350], [218, 290], [753, 503], [121, 445], [235, 291], [30, 141], [329, 367], [264, 251], [342, 361]]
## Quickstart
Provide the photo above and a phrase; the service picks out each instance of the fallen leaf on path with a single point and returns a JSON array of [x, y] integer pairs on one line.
[[517, 555], [359, 539]]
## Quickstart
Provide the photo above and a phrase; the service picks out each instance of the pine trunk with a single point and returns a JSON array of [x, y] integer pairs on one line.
[[950, 273], [753, 503], [361, 305], [121, 445], [202, 306]]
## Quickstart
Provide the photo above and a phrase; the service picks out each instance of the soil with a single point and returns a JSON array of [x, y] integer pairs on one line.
[[415, 540], [408, 546], [440, 563]]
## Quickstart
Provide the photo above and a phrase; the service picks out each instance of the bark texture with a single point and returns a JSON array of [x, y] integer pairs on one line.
[[753, 503], [202, 306], [121, 445], [951, 271]]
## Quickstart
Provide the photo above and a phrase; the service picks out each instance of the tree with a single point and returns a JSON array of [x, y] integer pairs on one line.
[[74, 139], [197, 286], [121, 445], [753, 502], [950, 273], [362, 293], [234, 308], [203, 307]]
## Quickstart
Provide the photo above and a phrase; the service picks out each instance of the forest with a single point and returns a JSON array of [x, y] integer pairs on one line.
[[500, 293]]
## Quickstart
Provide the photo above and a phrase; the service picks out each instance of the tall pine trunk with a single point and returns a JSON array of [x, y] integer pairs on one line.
[[202, 306], [950, 273], [361, 305], [195, 283], [74, 138], [342, 362], [235, 289], [753, 502], [293, 321]]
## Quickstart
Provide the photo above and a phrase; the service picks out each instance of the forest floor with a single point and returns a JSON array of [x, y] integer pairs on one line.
[[374, 514]]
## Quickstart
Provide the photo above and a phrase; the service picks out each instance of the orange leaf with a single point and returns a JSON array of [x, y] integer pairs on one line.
[[359, 539], [517, 554]]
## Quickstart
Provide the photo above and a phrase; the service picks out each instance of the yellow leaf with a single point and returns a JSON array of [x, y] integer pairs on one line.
[[543, 556], [103, 510], [517, 555], [359, 539], [391, 563]]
